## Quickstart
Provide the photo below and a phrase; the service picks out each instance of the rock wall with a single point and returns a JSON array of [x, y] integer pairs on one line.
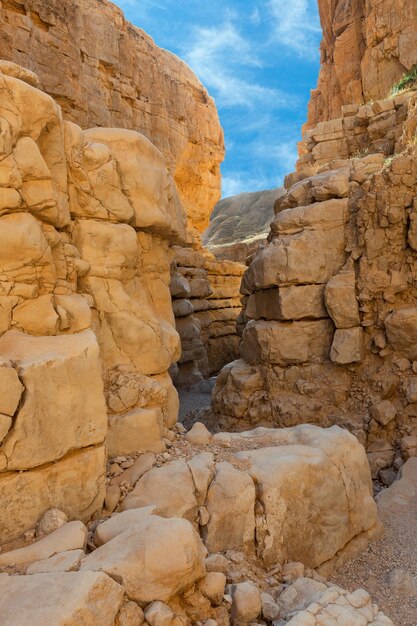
[[240, 224], [103, 71], [86, 223], [367, 46], [207, 303], [331, 306]]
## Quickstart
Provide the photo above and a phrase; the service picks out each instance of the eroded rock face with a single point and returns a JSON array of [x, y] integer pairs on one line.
[[366, 48], [87, 328], [330, 307], [96, 74]]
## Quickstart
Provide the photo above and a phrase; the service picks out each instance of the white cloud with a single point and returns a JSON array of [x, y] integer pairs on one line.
[[296, 25], [221, 58]]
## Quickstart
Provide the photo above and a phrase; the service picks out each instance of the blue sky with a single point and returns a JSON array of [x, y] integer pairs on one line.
[[259, 60]]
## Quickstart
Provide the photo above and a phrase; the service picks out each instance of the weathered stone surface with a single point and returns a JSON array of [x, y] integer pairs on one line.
[[154, 560], [71, 536], [139, 430], [230, 490], [348, 346], [341, 300], [379, 41], [119, 523], [57, 422], [283, 344], [75, 484], [104, 83], [86, 598], [63, 562], [170, 488], [401, 327]]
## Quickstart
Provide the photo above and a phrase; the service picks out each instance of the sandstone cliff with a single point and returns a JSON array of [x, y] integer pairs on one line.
[[367, 46], [103, 71]]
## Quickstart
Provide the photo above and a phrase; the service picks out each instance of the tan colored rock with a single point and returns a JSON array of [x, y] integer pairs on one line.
[[401, 327], [71, 536], [75, 484], [61, 598], [213, 586], [383, 412], [155, 560], [158, 614], [63, 562], [130, 613], [341, 300], [11, 390], [246, 605], [50, 521], [286, 344], [230, 503], [170, 488], [198, 434], [348, 346], [186, 132], [139, 430], [74, 418], [119, 523]]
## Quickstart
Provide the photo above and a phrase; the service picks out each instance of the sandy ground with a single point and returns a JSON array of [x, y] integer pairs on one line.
[[371, 568], [195, 397]]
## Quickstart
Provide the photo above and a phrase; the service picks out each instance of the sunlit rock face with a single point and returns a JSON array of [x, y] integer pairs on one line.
[[329, 302], [87, 220], [366, 48], [105, 72]]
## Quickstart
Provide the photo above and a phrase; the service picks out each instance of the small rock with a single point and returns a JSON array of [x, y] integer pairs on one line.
[[127, 464], [402, 582], [270, 610], [115, 470], [212, 586], [246, 604], [293, 570], [158, 614], [198, 434], [68, 561], [180, 428], [113, 495], [387, 476], [130, 614], [217, 563], [203, 516], [383, 412], [51, 520]]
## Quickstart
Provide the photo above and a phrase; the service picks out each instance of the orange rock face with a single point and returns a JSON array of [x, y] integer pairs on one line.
[[93, 62], [367, 46]]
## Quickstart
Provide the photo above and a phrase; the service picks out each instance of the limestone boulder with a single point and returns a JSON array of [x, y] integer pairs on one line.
[[280, 343], [348, 346], [75, 484], [138, 430], [154, 560], [170, 488], [341, 299], [55, 422], [61, 598], [401, 327], [230, 504]]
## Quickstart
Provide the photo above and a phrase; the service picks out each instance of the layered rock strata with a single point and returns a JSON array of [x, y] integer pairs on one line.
[[366, 48], [86, 223], [103, 71], [331, 308], [206, 302]]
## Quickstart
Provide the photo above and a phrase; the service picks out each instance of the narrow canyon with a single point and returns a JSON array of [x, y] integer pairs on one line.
[[208, 407]]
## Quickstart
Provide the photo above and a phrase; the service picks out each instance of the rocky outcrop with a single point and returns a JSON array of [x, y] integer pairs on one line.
[[206, 302], [330, 305], [205, 538], [366, 48], [103, 71], [87, 219], [239, 224]]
